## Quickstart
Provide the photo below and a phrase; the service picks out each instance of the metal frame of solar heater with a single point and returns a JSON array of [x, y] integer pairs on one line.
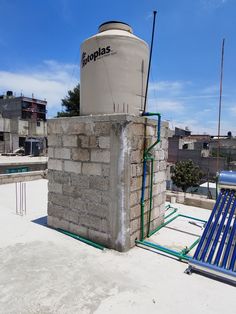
[[216, 252]]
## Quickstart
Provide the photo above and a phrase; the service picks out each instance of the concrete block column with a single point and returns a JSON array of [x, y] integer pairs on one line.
[[95, 177]]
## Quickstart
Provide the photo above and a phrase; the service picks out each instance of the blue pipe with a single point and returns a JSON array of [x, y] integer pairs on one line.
[[225, 233], [145, 158], [233, 258], [208, 242], [230, 241], [207, 226], [209, 259]]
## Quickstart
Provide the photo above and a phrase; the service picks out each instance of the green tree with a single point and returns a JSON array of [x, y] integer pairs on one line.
[[186, 174], [71, 103]]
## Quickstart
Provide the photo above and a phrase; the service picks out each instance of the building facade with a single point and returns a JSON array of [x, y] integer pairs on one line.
[[20, 118]]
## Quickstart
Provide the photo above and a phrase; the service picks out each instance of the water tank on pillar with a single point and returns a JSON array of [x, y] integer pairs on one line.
[[113, 71]]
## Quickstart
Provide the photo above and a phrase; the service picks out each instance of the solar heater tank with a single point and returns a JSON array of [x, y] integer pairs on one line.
[[227, 180], [113, 71]]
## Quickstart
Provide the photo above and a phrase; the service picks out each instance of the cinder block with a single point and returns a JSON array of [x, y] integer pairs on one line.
[[106, 198], [100, 210], [58, 199], [72, 126], [83, 141], [55, 210], [51, 152], [133, 170], [78, 229], [135, 184], [55, 164], [70, 140], [97, 236], [136, 156], [80, 154], [134, 199], [99, 183], [77, 204], [104, 141], [88, 195], [72, 166], [159, 177], [105, 170], [150, 131], [80, 181], [137, 142], [102, 128], [54, 127], [55, 187], [135, 236], [164, 144], [57, 223], [159, 155], [71, 216], [92, 168], [59, 177], [93, 141], [134, 225], [137, 129], [135, 212], [91, 222], [62, 153], [99, 155]]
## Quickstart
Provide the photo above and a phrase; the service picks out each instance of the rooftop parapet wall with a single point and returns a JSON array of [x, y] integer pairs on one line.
[[95, 177]]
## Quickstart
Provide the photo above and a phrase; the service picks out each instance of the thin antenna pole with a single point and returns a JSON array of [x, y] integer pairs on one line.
[[150, 59], [219, 117]]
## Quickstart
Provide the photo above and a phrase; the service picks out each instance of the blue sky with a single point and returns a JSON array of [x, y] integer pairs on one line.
[[40, 41]]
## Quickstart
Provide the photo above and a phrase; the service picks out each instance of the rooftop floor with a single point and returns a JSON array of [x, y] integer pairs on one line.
[[44, 271]]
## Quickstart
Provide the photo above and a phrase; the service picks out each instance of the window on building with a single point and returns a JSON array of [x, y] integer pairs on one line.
[[38, 123], [185, 146], [21, 141], [1, 136], [205, 146]]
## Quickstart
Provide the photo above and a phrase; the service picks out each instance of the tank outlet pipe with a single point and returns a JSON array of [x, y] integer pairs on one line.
[[148, 157]]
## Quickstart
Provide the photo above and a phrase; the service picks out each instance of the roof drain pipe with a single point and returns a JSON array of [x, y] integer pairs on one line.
[[147, 156]]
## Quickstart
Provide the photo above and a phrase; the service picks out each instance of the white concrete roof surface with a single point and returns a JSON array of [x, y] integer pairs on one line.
[[44, 271]]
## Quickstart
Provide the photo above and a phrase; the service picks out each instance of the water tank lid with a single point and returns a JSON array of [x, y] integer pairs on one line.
[[115, 25]]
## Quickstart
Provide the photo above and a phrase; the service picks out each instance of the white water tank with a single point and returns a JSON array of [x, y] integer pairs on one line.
[[113, 71]]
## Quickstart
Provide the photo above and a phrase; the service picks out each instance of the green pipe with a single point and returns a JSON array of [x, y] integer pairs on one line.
[[164, 249], [162, 225], [146, 157], [191, 217], [150, 197], [142, 220], [188, 249], [173, 218], [170, 214], [82, 239]]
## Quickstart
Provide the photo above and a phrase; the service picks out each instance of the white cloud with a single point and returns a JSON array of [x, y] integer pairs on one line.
[[50, 80], [167, 86], [165, 105], [213, 4]]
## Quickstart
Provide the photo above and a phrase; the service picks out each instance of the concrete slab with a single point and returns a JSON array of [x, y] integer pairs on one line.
[[22, 160], [43, 271]]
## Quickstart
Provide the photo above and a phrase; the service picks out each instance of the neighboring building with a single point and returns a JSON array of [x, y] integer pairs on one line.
[[22, 107], [20, 118], [184, 146]]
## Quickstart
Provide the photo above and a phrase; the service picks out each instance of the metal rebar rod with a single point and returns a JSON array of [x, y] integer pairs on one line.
[[220, 99], [150, 59]]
